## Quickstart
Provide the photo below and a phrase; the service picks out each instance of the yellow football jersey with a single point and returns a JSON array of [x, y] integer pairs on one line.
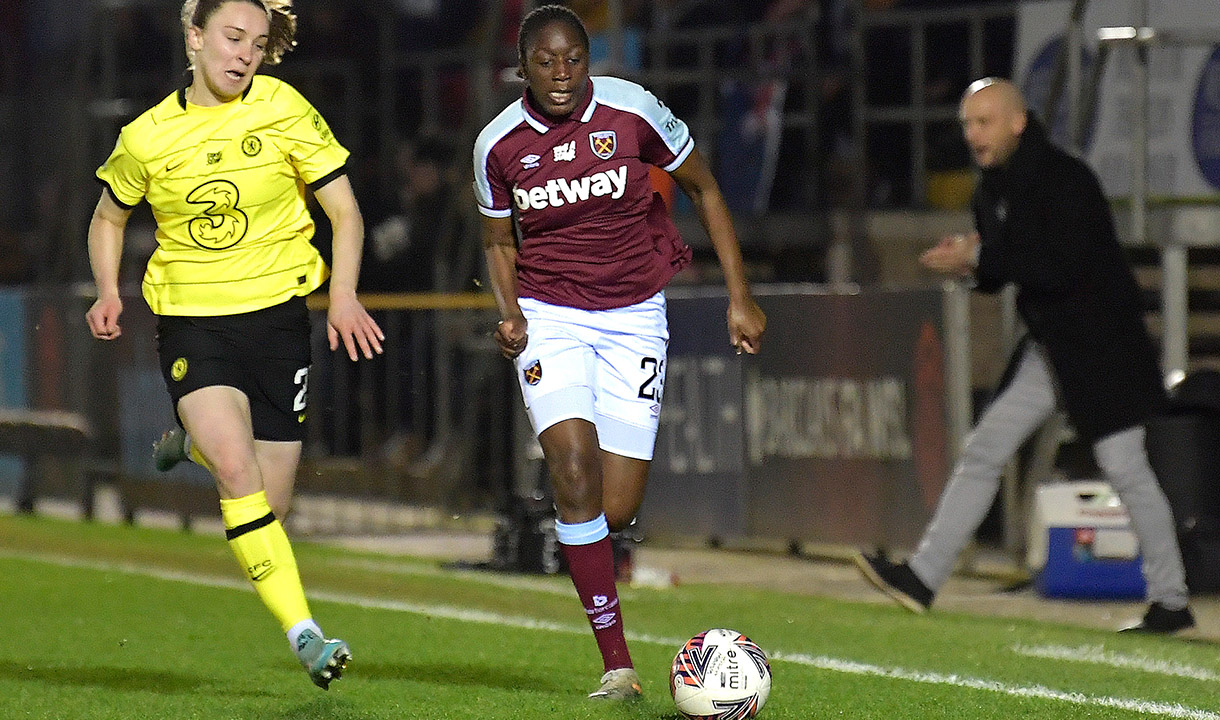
[[227, 188]]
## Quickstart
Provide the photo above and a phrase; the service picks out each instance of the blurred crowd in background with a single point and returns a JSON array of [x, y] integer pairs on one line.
[[771, 90], [72, 73]]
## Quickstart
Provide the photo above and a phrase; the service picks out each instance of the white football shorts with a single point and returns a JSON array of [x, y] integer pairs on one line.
[[604, 366]]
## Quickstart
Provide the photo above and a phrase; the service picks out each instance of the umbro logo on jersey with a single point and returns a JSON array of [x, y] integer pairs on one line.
[[561, 191], [603, 143], [530, 161], [565, 152]]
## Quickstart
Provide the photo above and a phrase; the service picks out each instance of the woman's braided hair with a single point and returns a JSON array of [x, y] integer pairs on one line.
[[543, 16]]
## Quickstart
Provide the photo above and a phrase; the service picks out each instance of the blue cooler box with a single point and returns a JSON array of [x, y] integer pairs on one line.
[[1081, 543]]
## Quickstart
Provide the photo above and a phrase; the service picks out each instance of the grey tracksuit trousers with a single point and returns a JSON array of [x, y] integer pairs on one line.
[[1027, 401]]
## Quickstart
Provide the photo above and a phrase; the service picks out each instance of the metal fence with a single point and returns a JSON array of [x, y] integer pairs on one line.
[[437, 421]]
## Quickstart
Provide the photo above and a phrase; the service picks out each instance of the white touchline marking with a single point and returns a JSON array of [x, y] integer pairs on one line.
[[550, 584], [492, 618], [1098, 655], [1145, 707], [545, 584]]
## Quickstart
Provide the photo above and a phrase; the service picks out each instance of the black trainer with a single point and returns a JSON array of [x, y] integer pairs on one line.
[[897, 581], [1160, 619]]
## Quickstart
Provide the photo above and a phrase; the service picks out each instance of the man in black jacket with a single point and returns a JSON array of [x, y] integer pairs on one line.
[[1044, 225]]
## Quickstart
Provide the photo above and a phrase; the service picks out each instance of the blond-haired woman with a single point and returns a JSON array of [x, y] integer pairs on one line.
[[224, 163]]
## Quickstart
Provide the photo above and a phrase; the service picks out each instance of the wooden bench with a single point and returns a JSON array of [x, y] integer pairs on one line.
[[45, 439], [186, 500]]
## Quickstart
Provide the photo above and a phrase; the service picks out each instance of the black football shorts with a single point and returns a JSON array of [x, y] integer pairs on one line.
[[264, 354]]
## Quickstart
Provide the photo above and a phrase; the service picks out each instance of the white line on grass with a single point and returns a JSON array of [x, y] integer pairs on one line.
[[1172, 710], [512, 582], [493, 618], [1098, 655]]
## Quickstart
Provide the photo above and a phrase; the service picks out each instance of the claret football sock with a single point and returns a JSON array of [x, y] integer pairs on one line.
[[261, 546], [586, 546]]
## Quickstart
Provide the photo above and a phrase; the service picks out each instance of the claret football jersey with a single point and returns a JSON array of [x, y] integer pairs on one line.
[[594, 233], [227, 188]]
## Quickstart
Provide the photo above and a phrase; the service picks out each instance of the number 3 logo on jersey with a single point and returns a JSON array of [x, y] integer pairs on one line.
[[221, 225]]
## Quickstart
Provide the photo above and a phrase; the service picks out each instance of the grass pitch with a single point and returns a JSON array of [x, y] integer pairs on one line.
[[110, 622]]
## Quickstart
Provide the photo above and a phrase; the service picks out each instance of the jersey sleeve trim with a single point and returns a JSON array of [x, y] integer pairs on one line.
[[326, 179], [682, 155], [493, 213], [110, 191]]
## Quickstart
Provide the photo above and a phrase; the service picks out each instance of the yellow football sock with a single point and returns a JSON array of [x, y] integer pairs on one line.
[[197, 456], [261, 546]]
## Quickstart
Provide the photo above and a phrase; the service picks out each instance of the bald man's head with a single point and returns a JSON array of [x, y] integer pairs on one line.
[[992, 115]]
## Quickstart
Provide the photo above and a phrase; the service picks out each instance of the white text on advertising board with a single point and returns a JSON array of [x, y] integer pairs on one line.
[[701, 420], [827, 417]]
